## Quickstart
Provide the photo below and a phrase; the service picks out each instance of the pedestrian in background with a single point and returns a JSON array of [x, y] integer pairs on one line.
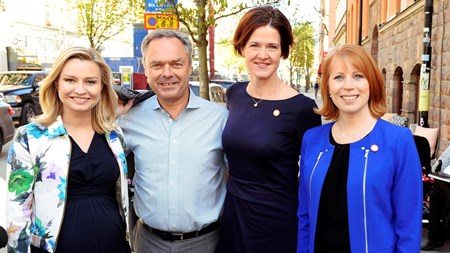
[[262, 139], [316, 88], [360, 176], [175, 137], [66, 170]]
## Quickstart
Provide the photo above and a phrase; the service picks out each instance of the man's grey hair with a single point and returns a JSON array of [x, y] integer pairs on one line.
[[165, 33]]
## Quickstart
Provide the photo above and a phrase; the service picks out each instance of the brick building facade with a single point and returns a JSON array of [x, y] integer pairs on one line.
[[393, 32]]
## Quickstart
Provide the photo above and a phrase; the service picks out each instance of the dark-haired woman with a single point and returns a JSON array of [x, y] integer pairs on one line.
[[262, 139]]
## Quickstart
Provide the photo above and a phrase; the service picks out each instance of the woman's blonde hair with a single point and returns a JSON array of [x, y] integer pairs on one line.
[[363, 61], [103, 114]]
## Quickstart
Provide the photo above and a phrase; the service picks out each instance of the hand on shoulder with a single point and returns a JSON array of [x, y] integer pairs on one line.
[[123, 108]]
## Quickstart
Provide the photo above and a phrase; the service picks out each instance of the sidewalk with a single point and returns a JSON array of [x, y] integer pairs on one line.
[[310, 94], [317, 99], [445, 248]]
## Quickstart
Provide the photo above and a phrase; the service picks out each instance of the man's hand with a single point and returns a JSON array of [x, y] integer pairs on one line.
[[123, 108]]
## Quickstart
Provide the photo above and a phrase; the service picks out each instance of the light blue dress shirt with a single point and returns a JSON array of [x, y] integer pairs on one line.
[[179, 164]]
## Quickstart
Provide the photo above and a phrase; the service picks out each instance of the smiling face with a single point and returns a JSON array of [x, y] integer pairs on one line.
[[348, 88], [262, 53], [79, 86], [168, 68]]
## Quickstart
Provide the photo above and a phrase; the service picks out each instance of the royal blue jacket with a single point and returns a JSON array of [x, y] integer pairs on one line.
[[384, 189]]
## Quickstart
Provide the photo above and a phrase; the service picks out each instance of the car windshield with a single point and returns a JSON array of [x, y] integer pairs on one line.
[[16, 79]]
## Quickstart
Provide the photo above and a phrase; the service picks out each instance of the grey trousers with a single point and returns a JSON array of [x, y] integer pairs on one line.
[[146, 242]]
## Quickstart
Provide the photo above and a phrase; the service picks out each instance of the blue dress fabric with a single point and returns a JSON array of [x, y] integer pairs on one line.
[[92, 222], [262, 145]]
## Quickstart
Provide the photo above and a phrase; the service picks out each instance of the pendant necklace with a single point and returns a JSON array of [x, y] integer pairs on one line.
[[256, 103]]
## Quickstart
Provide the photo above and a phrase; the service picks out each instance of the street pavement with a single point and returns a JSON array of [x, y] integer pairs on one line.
[[310, 93], [317, 99]]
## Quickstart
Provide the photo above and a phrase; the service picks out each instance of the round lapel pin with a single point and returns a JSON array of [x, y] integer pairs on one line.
[[276, 113], [374, 148]]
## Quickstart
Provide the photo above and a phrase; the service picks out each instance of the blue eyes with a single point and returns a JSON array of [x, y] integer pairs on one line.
[[273, 47], [359, 77], [355, 77], [88, 82]]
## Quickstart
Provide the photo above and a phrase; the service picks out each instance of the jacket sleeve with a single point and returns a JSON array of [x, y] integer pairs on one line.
[[20, 174], [303, 206], [407, 195]]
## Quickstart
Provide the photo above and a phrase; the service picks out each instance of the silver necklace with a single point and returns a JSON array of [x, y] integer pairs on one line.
[[256, 103], [355, 134]]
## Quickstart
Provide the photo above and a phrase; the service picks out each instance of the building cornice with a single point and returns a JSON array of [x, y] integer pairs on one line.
[[407, 13]]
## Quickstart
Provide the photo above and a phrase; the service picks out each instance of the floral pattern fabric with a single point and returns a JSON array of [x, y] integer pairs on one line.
[[37, 170]]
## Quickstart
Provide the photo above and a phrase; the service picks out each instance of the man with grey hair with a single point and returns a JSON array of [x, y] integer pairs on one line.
[[176, 138]]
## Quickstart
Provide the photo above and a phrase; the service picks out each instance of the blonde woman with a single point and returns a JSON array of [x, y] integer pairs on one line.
[[66, 170]]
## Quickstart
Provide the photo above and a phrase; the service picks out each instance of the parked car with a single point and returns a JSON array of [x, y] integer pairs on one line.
[[21, 91], [223, 83], [6, 123], [217, 93]]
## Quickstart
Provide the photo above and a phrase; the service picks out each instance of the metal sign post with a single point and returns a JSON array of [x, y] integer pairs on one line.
[[424, 88]]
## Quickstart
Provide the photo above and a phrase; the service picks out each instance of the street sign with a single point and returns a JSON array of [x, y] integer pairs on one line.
[[154, 21], [153, 6]]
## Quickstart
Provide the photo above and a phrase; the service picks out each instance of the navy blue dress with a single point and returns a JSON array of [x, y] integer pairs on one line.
[[92, 222], [262, 145]]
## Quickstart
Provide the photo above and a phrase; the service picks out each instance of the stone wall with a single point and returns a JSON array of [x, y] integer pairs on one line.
[[400, 46]]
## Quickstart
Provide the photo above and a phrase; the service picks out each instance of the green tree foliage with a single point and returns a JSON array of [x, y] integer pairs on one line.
[[196, 20], [301, 58], [101, 20], [229, 59]]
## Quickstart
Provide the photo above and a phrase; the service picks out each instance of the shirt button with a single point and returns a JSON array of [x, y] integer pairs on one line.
[[173, 162], [174, 140]]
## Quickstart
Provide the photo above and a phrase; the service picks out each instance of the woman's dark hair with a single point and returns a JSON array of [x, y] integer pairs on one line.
[[263, 16]]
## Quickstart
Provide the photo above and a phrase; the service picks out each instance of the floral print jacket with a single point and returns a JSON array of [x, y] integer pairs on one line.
[[37, 171]]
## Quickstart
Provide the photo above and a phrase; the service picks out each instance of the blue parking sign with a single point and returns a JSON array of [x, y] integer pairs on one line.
[[153, 6]]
